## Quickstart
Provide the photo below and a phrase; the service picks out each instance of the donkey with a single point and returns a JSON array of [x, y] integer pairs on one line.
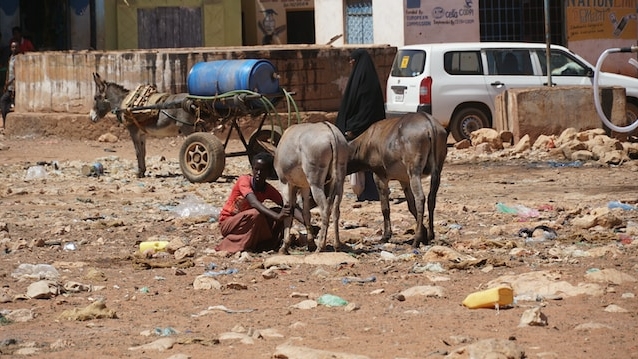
[[157, 123], [403, 149], [312, 158]]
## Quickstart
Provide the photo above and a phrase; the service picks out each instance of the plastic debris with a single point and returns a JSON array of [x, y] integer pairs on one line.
[[623, 206], [221, 272], [330, 300], [192, 206], [36, 271], [35, 172], [348, 280]]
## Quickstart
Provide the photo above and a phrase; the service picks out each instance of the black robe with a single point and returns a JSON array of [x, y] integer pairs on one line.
[[362, 103]]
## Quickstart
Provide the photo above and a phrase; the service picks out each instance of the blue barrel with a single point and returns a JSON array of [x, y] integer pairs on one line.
[[217, 77]]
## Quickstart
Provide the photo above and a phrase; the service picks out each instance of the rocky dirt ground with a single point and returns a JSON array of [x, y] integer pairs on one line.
[[574, 283]]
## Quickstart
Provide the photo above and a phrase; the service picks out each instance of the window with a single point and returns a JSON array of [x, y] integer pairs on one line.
[[509, 62], [463, 63], [359, 28], [408, 63], [561, 64]]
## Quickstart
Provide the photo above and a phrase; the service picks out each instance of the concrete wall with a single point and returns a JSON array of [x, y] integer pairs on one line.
[[62, 82], [551, 110]]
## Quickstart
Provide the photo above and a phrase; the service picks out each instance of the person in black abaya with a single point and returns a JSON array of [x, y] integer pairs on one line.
[[361, 106]]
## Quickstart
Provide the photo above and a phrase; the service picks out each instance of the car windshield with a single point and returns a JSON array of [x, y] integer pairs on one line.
[[408, 63], [562, 64]]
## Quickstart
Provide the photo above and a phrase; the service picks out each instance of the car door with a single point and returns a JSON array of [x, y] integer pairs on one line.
[[508, 68]]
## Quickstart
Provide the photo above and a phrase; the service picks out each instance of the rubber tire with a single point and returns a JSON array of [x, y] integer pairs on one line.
[[631, 112], [263, 134], [631, 109], [466, 121], [202, 157]]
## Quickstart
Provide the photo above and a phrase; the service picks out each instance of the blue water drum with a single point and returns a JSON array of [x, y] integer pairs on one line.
[[218, 77]]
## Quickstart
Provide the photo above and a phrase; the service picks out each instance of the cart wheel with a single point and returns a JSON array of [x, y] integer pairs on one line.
[[202, 157], [269, 137]]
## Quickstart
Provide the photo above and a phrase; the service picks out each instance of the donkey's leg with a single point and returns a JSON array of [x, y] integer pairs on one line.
[[139, 142]]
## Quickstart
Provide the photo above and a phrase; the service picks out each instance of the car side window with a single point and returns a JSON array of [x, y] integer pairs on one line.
[[463, 63], [509, 62], [408, 63], [561, 64]]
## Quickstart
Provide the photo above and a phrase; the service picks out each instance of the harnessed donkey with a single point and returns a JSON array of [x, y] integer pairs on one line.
[[149, 119]]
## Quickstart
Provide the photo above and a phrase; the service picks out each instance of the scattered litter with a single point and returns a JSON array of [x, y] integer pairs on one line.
[[519, 210], [164, 332], [330, 300], [192, 206], [490, 298], [623, 206], [221, 272], [36, 271], [348, 280], [547, 233], [35, 172]]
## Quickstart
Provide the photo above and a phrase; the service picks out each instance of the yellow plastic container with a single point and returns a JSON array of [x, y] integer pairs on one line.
[[489, 298], [158, 246]]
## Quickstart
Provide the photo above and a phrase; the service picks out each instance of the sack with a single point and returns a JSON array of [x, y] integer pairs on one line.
[[358, 182]]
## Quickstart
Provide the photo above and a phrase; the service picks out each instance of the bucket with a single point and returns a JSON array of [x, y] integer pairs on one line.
[[217, 77]]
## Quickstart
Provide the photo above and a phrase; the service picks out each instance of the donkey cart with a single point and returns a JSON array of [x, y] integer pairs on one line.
[[219, 94]]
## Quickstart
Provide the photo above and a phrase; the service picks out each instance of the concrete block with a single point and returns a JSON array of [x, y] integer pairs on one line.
[[551, 110]]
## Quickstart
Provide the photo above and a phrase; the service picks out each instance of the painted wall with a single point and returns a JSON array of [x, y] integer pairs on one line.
[[329, 21], [594, 26], [221, 20], [411, 22], [63, 82], [265, 20]]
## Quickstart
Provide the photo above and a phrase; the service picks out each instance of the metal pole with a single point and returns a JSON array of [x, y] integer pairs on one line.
[[548, 41]]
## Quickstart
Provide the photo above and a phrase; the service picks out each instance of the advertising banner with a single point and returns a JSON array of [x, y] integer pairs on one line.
[[429, 21], [600, 19]]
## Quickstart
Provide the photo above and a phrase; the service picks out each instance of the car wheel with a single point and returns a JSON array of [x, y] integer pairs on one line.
[[467, 121], [631, 111]]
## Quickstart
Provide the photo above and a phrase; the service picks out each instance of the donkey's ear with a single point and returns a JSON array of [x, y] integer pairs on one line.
[[98, 81]]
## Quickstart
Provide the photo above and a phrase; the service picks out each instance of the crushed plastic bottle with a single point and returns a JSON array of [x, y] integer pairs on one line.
[[221, 272], [164, 332], [330, 300], [623, 206], [35, 172], [194, 206]]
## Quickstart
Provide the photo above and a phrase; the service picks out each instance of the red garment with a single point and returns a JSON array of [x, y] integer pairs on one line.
[[237, 200], [250, 230], [24, 45], [244, 227]]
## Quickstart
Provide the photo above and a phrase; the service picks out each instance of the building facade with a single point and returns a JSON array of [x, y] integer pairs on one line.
[[587, 27]]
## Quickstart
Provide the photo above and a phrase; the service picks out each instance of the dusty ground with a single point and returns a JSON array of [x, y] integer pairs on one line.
[[105, 218]]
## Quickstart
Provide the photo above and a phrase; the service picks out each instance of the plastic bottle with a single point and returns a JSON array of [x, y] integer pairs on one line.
[[158, 246]]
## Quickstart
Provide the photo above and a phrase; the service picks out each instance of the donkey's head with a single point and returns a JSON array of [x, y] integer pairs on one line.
[[107, 96]]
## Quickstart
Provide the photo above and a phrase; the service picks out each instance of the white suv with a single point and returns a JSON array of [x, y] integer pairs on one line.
[[458, 82]]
